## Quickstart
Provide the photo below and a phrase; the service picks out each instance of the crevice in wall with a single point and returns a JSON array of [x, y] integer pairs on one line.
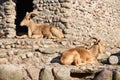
[[22, 6], [80, 75]]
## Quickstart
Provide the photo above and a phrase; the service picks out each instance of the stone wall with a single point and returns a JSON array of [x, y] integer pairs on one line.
[[79, 19], [8, 15]]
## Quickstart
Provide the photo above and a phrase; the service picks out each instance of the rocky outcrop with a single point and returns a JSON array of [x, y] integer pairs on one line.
[[10, 72], [22, 58]]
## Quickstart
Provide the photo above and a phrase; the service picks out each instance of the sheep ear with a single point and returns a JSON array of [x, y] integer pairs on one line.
[[101, 48], [27, 13]]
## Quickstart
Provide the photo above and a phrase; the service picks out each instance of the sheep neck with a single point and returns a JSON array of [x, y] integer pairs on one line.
[[94, 50], [32, 25]]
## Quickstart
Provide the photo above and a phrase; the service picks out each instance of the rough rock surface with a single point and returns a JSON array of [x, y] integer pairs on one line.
[[78, 19], [10, 72]]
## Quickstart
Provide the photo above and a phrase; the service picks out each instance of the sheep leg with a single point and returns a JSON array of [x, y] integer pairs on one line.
[[51, 36], [37, 36], [29, 33], [77, 60], [93, 62]]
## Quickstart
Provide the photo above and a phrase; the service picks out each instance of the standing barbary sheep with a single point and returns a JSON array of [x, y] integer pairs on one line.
[[40, 30]]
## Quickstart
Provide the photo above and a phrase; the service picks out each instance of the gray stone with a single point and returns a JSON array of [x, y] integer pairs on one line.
[[61, 25], [49, 50], [46, 74], [36, 1], [33, 72], [62, 73], [64, 20], [1, 8], [66, 5], [29, 54], [7, 46], [63, 10], [10, 53], [10, 72], [104, 75], [35, 47], [23, 56], [2, 46], [68, 31], [117, 75], [113, 59], [3, 60], [3, 54]]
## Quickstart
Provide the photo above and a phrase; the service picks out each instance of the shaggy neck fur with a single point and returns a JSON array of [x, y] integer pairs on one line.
[[94, 50], [32, 25]]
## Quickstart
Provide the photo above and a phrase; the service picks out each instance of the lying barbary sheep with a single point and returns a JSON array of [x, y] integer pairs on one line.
[[78, 56], [82, 56], [40, 30]]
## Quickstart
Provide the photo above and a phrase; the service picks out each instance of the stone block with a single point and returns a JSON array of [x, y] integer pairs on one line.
[[104, 75], [23, 56], [3, 54], [116, 75], [64, 20], [3, 60], [61, 73], [33, 72], [10, 53], [49, 50], [46, 74], [29, 54], [36, 1], [10, 72], [66, 5]]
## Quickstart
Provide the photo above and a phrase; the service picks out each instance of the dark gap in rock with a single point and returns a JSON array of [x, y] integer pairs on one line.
[[80, 75], [22, 6]]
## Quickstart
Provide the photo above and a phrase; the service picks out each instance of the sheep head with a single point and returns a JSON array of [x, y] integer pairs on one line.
[[101, 47], [99, 44], [27, 19]]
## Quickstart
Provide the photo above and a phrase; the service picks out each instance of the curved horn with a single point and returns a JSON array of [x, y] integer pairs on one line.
[[28, 15], [33, 13], [97, 40]]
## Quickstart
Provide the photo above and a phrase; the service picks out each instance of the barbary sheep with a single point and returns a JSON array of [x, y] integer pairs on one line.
[[40, 30], [82, 56], [78, 56]]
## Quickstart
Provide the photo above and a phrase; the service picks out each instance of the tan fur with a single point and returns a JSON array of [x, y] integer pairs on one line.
[[97, 48], [40, 30], [83, 56], [70, 56], [79, 56], [86, 56]]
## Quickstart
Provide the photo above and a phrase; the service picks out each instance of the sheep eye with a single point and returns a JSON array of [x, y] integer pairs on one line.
[[27, 18]]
